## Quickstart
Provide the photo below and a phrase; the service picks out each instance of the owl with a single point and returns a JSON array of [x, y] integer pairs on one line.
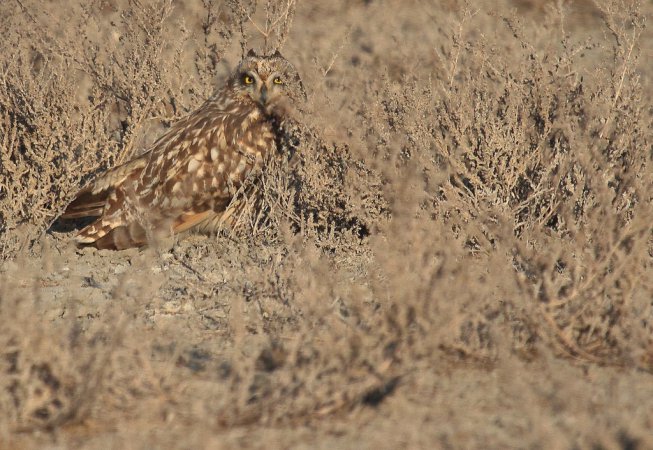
[[189, 177]]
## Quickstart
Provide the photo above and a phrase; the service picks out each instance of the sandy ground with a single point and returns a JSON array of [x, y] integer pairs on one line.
[[548, 402], [330, 339]]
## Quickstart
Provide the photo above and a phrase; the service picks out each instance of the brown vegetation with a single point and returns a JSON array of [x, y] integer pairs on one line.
[[459, 255]]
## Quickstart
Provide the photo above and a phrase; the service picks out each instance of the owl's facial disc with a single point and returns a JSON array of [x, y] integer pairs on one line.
[[264, 89]]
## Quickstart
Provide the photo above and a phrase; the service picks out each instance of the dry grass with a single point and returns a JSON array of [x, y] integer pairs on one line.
[[458, 255]]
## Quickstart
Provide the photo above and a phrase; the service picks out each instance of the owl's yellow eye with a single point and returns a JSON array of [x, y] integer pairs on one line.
[[277, 80], [247, 79]]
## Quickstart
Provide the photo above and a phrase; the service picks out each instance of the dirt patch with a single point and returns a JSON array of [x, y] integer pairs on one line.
[[458, 256]]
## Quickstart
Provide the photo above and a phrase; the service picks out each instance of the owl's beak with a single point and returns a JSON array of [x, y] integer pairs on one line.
[[264, 94]]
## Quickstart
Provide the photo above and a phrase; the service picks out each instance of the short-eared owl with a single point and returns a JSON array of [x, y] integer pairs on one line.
[[189, 176]]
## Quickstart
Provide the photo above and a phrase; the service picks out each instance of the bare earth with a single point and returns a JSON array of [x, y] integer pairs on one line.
[[460, 256]]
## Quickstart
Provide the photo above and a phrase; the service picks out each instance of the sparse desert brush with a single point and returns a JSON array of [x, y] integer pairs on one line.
[[51, 373], [536, 158], [470, 193]]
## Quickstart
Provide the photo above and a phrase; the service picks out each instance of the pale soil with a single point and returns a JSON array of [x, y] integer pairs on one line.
[[424, 331]]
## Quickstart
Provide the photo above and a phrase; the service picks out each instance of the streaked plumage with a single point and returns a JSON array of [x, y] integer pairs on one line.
[[189, 176]]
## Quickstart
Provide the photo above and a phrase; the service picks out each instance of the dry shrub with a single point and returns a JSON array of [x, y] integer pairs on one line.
[[478, 199], [541, 151], [51, 372]]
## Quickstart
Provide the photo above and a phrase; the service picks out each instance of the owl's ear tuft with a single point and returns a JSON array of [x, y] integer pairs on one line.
[[251, 52]]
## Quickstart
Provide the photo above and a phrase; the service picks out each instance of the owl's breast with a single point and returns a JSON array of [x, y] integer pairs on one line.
[[235, 147]]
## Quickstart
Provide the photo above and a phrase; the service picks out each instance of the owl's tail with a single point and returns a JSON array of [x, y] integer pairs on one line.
[[86, 204], [103, 199], [108, 231]]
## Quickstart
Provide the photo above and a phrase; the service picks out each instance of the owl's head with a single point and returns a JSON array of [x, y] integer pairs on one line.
[[267, 80]]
